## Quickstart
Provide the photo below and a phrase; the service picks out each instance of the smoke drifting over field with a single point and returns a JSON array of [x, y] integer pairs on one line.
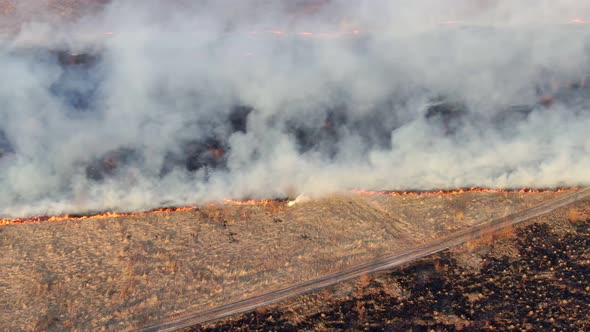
[[325, 112]]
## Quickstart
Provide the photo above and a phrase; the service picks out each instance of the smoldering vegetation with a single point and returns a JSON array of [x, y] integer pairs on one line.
[[144, 104]]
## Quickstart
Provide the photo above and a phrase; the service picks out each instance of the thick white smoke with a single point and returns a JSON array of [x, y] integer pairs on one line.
[[350, 106]]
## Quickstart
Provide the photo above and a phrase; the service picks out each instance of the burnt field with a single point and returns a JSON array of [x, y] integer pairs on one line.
[[135, 271]]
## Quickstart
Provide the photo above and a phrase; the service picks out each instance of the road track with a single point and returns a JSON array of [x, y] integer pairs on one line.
[[384, 263]]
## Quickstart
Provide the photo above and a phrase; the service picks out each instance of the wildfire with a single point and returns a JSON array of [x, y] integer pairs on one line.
[[459, 191], [106, 215], [251, 202]]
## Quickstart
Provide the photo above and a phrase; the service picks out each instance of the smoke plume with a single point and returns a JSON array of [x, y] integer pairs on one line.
[[188, 102]]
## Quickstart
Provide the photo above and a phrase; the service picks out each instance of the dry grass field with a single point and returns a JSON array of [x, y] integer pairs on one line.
[[127, 272]]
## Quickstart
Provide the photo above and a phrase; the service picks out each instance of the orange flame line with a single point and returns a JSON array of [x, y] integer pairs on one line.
[[459, 191], [105, 215]]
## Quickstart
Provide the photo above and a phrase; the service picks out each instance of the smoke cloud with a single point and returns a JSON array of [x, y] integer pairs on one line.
[[188, 102]]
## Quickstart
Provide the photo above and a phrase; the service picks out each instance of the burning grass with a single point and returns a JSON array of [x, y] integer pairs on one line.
[[276, 204], [109, 215]]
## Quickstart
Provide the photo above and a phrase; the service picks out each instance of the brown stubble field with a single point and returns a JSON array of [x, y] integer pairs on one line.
[[122, 273]]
